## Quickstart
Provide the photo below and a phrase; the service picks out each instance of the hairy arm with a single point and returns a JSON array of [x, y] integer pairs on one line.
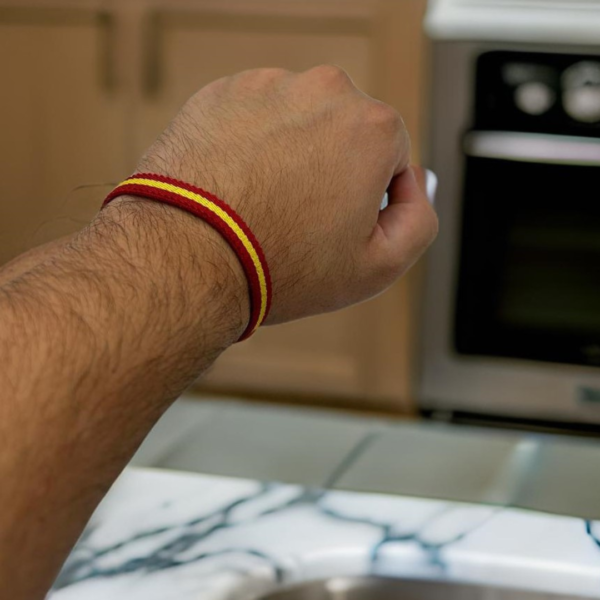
[[98, 334]]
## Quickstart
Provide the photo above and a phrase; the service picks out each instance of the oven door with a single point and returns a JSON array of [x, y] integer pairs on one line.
[[529, 268]]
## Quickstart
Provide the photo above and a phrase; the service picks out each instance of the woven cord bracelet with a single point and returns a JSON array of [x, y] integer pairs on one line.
[[222, 218]]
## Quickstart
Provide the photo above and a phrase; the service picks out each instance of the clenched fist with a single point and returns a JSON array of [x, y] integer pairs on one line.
[[305, 159]]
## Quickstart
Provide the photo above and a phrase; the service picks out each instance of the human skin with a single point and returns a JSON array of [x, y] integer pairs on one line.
[[102, 330]]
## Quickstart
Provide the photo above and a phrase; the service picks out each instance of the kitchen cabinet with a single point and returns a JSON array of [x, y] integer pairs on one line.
[[161, 53], [61, 117]]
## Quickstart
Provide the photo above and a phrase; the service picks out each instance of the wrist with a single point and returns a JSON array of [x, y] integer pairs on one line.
[[198, 276]]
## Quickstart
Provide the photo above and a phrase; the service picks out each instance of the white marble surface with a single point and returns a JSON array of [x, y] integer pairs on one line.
[[162, 535]]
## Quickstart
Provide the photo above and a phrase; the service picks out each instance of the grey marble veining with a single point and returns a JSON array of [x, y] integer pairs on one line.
[[162, 535]]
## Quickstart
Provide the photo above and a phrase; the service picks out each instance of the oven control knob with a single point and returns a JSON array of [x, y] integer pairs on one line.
[[534, 97], [583, 104], [581, 91]]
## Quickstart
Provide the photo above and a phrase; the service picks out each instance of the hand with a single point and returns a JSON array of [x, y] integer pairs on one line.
[[305, 160]]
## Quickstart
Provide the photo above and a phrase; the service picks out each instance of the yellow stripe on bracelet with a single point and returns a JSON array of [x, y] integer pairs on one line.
[[206, 203]]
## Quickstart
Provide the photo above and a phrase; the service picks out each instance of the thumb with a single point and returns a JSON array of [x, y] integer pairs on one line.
[[420, 176], [408, 224]]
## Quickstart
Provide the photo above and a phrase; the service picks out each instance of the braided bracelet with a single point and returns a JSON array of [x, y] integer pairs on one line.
[[222, 218]]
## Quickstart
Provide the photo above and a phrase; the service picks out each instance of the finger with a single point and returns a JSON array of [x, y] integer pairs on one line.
[[420, 176], [408, 225], [403, 144]]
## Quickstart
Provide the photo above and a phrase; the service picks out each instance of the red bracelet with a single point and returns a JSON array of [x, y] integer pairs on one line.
[[220, 216]]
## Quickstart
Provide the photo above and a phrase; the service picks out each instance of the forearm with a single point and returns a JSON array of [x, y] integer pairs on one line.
[[30, 259], [96, 338]]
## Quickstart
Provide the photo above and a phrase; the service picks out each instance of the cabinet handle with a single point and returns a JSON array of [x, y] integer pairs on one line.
[[103, 19], [108, 75], [152, 41], [533, 147]]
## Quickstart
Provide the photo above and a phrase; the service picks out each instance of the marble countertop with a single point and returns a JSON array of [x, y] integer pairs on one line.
[[161, 535]]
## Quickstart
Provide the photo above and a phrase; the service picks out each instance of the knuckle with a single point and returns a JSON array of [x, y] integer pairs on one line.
[[331, 74], [379, 113], [271, 73]]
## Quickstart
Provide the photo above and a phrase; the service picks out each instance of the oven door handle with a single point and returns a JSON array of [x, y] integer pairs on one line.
[[533, 147]]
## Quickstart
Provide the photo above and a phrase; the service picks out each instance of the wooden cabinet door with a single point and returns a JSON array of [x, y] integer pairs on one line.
[[360, 354], [61, 118]]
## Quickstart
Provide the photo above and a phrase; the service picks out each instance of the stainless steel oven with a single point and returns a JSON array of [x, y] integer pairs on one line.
[[511, 318]]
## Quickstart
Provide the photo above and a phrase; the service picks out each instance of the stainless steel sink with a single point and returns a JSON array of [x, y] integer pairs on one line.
[[381, 588]]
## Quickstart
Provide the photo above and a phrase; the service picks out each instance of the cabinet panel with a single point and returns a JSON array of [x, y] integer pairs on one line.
[[61, 118]]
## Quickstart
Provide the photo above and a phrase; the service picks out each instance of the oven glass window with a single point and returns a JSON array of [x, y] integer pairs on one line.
[[529, 281]]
